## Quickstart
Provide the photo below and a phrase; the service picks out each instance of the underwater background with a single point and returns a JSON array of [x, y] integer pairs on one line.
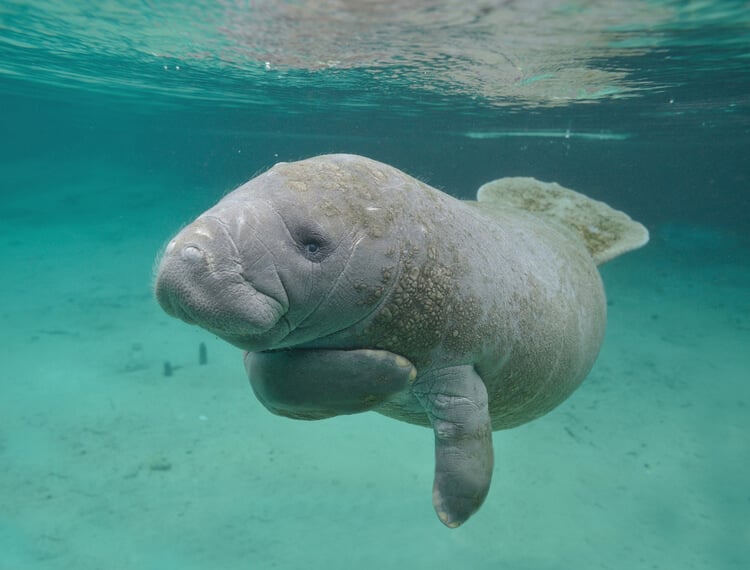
[[122, 120]]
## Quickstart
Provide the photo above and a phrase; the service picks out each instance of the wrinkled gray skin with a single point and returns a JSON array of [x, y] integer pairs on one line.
[[353, 286]]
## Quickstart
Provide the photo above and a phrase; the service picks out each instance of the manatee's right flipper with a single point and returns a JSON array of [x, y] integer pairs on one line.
[[316, 384], [605, 232], [455, 400]]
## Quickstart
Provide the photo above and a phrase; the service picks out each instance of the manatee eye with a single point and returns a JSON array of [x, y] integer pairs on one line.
[[311, 241], [314, 247]]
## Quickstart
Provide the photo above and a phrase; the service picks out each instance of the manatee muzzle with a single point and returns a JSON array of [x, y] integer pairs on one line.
[[200, 280]]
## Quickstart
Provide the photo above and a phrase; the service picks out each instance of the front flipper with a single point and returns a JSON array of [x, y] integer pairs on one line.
[[317, 384], [455, 400]]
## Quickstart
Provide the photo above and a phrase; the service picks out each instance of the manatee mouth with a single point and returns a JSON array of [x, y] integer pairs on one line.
[[173, 308], [200, 281], [226, 305]]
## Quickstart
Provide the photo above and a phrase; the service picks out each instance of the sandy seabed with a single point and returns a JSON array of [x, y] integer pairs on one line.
[[106, 463]]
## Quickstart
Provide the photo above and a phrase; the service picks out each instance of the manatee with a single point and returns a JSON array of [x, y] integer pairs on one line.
[[352, 286]]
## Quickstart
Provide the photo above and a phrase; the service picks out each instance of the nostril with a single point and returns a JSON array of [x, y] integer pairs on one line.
[[191, 253]]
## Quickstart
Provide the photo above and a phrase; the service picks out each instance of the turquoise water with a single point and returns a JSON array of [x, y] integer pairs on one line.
[[123, 120]]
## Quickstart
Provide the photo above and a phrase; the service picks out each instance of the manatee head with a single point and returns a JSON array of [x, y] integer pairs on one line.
[[301, 252]]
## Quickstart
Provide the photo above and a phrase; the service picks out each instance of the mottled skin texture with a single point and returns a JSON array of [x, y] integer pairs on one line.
[[353, 283]]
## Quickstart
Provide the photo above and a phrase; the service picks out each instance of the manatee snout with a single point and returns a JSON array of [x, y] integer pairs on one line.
[[185, 270], [201, 279]]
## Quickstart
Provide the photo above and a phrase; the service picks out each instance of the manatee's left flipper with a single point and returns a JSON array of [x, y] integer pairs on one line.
[[455, 400], [317, 384]]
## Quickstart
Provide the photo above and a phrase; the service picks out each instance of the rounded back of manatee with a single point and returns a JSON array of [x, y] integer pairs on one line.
[[353, 286]]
